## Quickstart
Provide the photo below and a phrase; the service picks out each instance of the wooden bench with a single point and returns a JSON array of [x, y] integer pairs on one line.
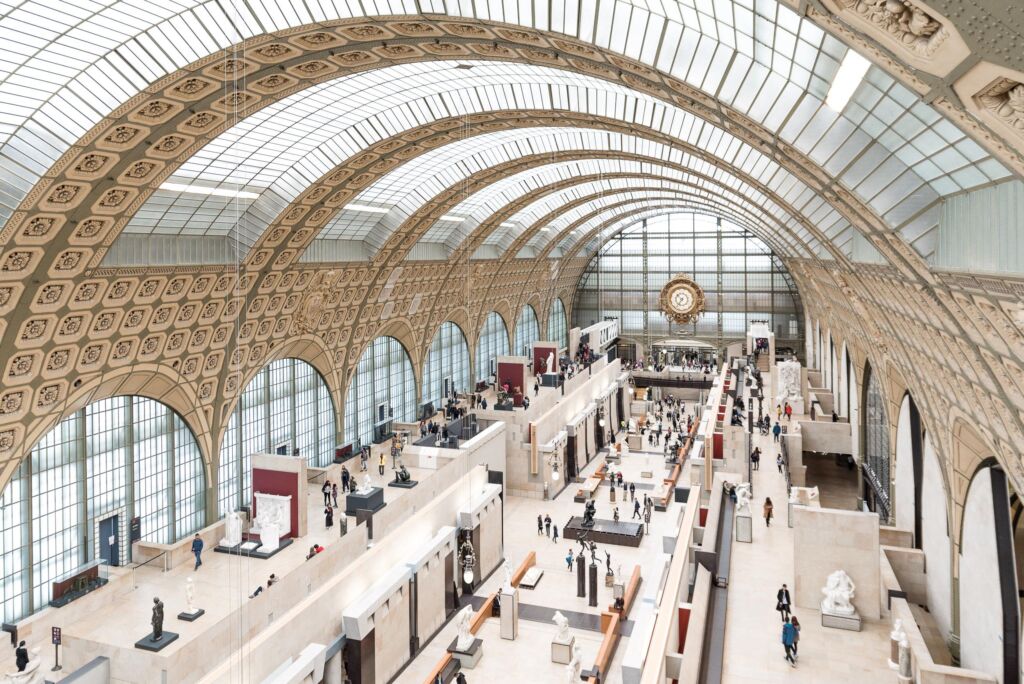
[[610, 627], [587, 489]]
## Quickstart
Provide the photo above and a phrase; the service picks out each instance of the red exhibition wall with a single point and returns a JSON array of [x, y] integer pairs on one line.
[[512, 373], [540, 359], [280, 483]]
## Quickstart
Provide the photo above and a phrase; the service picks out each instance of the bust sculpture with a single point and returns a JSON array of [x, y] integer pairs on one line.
[[589, 511], [158, 619], [232, 529], [562, 636], [839, 592], [572, 670], [464, 641]]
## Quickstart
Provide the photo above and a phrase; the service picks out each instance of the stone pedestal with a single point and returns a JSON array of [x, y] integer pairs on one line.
[[848, 622], [609, 580], [561, 652], [191, 615], [581, 581], [593, 587], [146, 643], [744, 529], [470, 657], [371, 501], [510, 614], [611, 493]]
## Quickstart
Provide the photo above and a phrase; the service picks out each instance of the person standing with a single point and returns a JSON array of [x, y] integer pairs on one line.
[[197, 549], [776, 431], [632, 491], [381, 462], [540, 524], [788, 639], [768, 508], [789, 411], [796, 639], [328, 516], [554, 534], [334, 493], [21, 657], [778, 411], [547, 525], [778, 462], [755, 458], [783, 602], [326, 489], [345, 477], [568, 559]]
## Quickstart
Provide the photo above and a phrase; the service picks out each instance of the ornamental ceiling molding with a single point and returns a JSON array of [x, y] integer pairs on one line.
[[995, 95], [681, 300]]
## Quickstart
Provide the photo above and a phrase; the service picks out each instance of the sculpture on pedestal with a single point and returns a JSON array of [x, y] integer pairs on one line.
[[839, 591], [232, 529], [563, 627], [366, 487], [506, 587], [608, 563], [465, 637], [589, 511], [743, 497], [593, 553], [905, 669], [572, 670], [190, 595], [158, 619], [273, 518], [549, 365], [402, 474]]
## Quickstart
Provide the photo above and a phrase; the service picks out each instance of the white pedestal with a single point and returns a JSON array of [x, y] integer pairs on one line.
[[561, 652], [469, 658], [510, 615], [744, 529], [848, 622]]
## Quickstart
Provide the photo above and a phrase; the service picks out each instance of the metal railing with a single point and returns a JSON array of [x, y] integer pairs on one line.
[[162, 557]]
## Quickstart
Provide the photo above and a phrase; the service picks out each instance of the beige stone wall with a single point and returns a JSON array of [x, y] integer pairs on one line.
[[430, 597], [491, 551], [391, 636]]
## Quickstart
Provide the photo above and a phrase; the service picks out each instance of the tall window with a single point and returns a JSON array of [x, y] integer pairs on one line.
[[876, 444], [492, 343], [383, 381], [742, 279], [558, 329], [126, 457], [448, 359], [527, 330], [286, 406]]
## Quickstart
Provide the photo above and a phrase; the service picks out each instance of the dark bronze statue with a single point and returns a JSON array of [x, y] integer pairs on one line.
[[402, 474], [158, 619], [589, 511]]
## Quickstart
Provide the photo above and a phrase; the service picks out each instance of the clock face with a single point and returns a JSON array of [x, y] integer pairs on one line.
[[682, 300]]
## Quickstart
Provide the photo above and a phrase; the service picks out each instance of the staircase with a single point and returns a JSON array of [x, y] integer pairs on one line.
[[762, 363]]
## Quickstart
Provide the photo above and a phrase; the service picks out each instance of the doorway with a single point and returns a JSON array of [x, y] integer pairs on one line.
[[110, 545]]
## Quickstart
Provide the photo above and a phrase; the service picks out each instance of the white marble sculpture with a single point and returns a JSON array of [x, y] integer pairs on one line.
[[789, 380], [803, 495], [905, 669], [743, 497], [839, 591], [232, 530], [562, 622], [549, 366], [31, 675], [273, 518], [190, 595], [572, 670], [506, 587], [465, 637], [366, 486]]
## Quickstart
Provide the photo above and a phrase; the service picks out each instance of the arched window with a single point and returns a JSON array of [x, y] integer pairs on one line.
[[286, 406], [492, 343], [876, 444], [382, 389], [447, 361], [103, 465], [558, 329], [527, 331]]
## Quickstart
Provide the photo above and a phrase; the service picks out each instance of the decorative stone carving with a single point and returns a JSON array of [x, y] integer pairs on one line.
[[743, 497], [789, 380], [905, 21], [1005, 99], [562, 622], [839, 591], [273, 518]]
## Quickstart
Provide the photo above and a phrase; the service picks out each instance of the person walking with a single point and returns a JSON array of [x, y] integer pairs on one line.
[[554, 534], [796, 639], [776, 431], [568, 559], [778, 462], [768, 508], [636, 509], [326, 489], [334, 493], [788, 639], [381, 462], [540, 524], [328, 516], [547, 525], [783, 602], [197, 549], [755, 458], [778, 411], [789, 411], [345, 477], [632, 491], [21, 656]]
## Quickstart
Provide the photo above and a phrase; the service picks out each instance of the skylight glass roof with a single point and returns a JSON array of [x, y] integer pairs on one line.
[[63, 71]]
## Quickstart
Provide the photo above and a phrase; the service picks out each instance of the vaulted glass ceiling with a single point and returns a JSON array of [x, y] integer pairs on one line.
[[65, 70]]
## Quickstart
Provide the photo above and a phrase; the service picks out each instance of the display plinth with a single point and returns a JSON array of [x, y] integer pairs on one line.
[[409, 484], [605, 531], [561, 652], [510, 614], [531, 578], [581, 580], [147, 644], [372, 501], [848, 622], [744, 529], [191, 616], [253, 549], [469, 658], [549, 380], [592, 599]]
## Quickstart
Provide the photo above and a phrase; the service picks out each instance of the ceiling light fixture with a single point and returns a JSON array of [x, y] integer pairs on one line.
[[851, 73], [507, 224], [366, 208], [215, 192], [450, 217]]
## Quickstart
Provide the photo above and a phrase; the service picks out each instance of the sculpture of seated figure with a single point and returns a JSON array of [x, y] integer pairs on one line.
[[839, 591], [402, 474], [589, 511]]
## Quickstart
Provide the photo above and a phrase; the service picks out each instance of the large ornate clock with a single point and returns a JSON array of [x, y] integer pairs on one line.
[[682, 300]]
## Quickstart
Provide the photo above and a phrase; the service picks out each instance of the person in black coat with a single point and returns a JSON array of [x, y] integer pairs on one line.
[[783, 602], [329, 517], [21, 657]]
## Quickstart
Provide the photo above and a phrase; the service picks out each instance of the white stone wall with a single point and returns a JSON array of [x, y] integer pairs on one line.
[[905, 505], [935, 539], [391, 636]]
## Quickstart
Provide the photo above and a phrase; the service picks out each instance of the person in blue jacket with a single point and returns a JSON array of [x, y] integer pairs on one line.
[[197, 549], [789, 641]]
